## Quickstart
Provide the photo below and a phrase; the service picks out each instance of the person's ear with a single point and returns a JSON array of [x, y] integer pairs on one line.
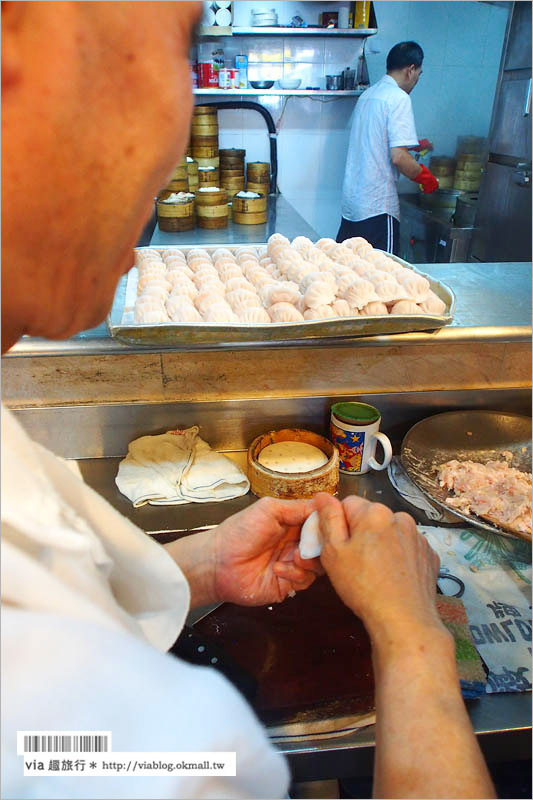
[[13, 15]]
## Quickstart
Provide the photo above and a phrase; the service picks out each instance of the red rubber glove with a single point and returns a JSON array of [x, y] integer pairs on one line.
[[426, 180], [423, 145]]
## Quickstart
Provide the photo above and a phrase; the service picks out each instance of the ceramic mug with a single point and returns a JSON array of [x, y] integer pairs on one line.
[[354, 432]]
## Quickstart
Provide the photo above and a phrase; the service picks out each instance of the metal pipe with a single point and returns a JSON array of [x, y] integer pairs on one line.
[[272, 133]]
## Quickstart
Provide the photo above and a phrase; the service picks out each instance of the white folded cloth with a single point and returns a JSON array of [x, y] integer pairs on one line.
[[178, 467]]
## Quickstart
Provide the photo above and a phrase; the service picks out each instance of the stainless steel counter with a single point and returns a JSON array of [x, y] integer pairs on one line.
[[282, 218], [502, 722], [493, 304]]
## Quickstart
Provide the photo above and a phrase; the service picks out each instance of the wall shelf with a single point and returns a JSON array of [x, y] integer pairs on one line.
[[276, 92], [214, 30]]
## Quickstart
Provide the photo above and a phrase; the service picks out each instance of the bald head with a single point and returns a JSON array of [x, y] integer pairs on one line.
[[96, 105]]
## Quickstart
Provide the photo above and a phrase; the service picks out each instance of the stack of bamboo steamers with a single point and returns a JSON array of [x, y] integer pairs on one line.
[[210, 179]]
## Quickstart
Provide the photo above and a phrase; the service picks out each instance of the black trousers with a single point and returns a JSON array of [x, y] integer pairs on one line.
[[383, 232]]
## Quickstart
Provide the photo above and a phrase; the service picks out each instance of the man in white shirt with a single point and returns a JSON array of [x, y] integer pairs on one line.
[[97, 103], [383, 131]]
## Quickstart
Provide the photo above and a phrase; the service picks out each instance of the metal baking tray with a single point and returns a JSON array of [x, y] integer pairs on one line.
[[171, 334], [466, 436]]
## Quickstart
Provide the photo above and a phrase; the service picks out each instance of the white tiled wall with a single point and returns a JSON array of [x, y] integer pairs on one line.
[[462, 43]]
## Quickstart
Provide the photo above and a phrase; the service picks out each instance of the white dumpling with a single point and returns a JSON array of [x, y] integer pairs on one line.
[[177, 276], [326, 244], [181, 310], [260, 280], [145, 316], [416, 286], [182, 289], [148, 252], [152, 279], [194, 255], [341, 308], [298, 271], [199, 264], [355, 242], [302, 243], [284, 312], [375, 309], [282, 292], [226, 273], [151, 264], [278, 237], [222, 252], [255, 314], [207, 298], [212, 285], [406, 307], [345, 280], [155, 289], [219, 312], [359, 293], [322, 312], [238, 283], [365, 251], [317, 257], [242, 251], [322, 277], [433, 305], [319, 293], [149, 302], [241, 297], [179, 269], [204, 274]]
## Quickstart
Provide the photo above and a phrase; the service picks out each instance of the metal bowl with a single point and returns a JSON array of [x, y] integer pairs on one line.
[[261, 84]]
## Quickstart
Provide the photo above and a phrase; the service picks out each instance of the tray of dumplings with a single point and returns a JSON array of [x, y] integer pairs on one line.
[[278, 292]]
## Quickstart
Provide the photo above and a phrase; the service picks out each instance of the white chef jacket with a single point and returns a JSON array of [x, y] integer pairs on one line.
[[383, 118], [89, 604]]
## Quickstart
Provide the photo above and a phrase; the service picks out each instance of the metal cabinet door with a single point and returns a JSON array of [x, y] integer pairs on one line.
[[503, 221], [518, 55], [511, 128]]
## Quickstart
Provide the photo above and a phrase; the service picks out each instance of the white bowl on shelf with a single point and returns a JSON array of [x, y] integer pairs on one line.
[[289, 83]]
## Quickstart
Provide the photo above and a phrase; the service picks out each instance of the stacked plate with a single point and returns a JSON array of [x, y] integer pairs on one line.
[[264, 18]]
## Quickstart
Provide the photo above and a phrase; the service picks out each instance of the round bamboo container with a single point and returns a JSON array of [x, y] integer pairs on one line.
[[174, 217], [467, 185], [232, 185], [249, 210], [178, 185], [258, 188], [212, 209], [192, 172], [265, 482], [258, 171], [445, 181], [207, 162], [231, 173], [232, 152], [204, 121], [473, 167], [208, 177], [441, 161], [204, 146], [443, 171]]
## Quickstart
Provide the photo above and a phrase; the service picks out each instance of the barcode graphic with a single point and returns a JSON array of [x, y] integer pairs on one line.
[[66, 744]]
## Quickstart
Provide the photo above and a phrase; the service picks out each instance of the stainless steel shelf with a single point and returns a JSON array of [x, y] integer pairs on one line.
[[285, 92], [213, 30]]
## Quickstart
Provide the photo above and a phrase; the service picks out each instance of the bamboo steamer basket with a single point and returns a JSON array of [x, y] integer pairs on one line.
[[467, 185], [249, 210], [445, 181], [192, 172], [174, 217], [208, 177], [232, 152], [236, 172], [207, 162], [204, 121], [232, 185], [472, 167], [232, 163], [443, 170], [258, 188], [204, 151], [178, 185], [441, 161], [265, 482], [258, 171], [212, 209]]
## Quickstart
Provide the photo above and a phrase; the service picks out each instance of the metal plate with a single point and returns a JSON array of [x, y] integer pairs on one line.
[[464, 435], [202, 333]]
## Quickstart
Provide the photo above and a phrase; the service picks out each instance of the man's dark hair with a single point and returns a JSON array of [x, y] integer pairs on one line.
[[403, 55]]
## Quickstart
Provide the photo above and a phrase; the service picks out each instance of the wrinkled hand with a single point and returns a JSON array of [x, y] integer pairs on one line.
[[378, 563], [256, 553]]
